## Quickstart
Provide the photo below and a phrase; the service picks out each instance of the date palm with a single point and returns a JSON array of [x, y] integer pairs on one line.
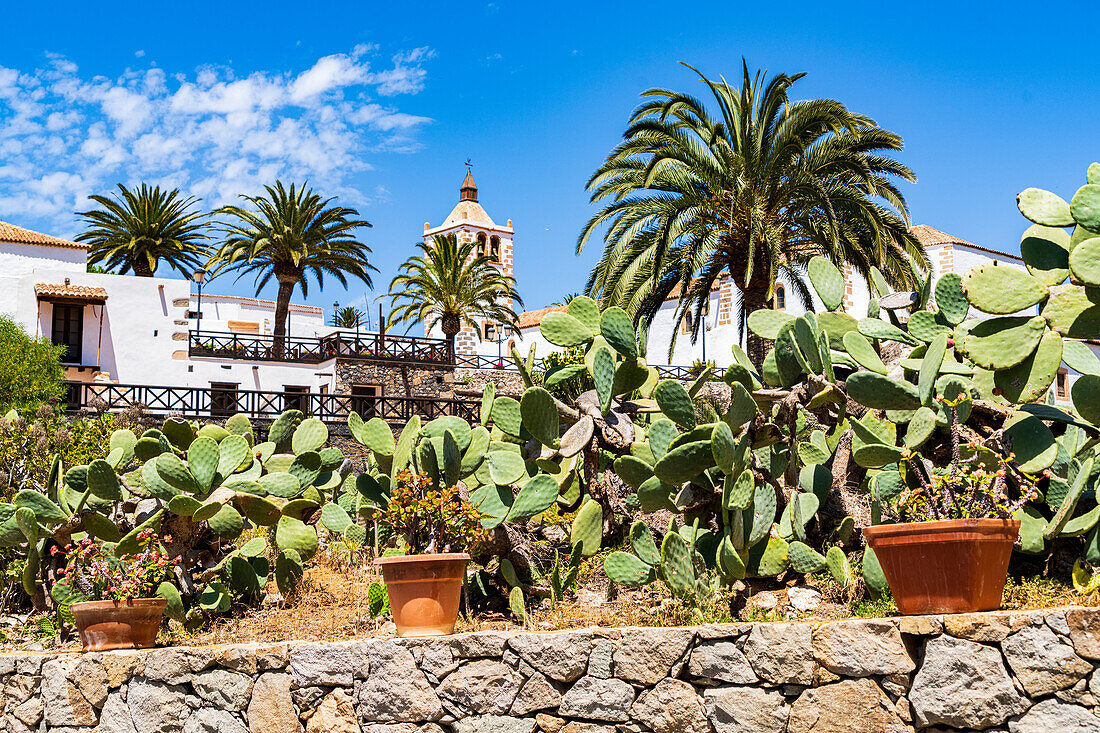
[[348, 317], [289, 235], [448, 285], [751, 191], [138, 228]]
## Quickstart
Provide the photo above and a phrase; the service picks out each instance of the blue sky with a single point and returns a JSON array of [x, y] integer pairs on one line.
[[381, 103]]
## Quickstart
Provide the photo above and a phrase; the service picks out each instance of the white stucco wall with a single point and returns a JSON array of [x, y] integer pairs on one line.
[[20, 259]]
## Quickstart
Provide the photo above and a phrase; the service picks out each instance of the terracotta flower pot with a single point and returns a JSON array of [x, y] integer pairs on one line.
[[424, 591], [951, 566], [130, 624]]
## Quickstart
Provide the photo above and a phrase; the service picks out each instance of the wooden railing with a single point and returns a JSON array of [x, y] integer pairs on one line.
[[206, 402], [365, 347]]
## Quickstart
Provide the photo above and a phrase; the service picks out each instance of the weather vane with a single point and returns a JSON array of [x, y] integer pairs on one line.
[[469, 164]]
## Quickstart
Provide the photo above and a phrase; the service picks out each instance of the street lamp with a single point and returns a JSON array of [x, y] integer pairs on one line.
[[198, 277], [335, 312]]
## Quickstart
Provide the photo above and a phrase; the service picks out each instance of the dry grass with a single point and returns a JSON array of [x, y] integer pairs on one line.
[[332, 604]]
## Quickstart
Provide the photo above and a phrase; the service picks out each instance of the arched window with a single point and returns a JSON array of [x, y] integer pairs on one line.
[[481, 244], [780, 301], [494, 249]]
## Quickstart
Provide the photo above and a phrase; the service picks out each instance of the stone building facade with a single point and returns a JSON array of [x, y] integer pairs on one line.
[[471, 223]]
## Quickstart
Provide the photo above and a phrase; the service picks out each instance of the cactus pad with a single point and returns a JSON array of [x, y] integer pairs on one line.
[[617, 328], [675, 403], [775, 558], [1072, 311], [641, 541], [282, 429], [860, 349], [1086, 398], [294, 534], [1001, 289], [872, 573], [740, 490], [1031, 442], [926, 326], [1044, 207], [233, 454], [586, 310], [834, 325], [577, 436], [310, 435], [837, 562], [603, 374], [873, 328], [882, 393], [763, 515], [505, 467], [289, 569], [536, 496], [1084, 207], [950, 299], [1080, 357], [766, 323], [587, 529], [999, 343], [630, 374], [677, 564], [507, 415], [1029, 380], [562, 329], [1084, 261], [684, 462], [804, 559], [930, 367], [1046, 253], [827, 281], [921, 427], [626, 569]]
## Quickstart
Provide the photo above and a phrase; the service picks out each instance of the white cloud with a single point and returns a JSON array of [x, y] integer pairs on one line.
[[214, 133], [139, 53]]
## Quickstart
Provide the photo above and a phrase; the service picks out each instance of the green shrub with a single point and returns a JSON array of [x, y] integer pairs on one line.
[[30, 369]]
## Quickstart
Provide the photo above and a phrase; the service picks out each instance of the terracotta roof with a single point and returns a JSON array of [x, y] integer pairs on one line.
[[530, 319], [19, 235], [297, 308], [931, 237], [76, 292]]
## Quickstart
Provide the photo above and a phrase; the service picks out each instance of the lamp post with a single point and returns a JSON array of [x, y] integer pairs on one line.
[[198, 277], [335, 312]]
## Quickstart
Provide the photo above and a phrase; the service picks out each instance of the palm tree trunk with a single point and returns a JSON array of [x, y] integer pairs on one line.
[[754, 299], [451, 325], [141, 267], [282, 309]]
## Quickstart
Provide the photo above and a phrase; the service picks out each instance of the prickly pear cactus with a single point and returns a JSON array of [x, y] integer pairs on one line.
[[231, 507]]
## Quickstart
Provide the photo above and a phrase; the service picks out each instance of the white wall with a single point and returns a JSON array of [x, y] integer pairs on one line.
[[20, 259]]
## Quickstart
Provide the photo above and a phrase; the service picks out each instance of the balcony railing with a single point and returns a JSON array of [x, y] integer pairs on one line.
[[479, 361], [366, 347], [214, 402]]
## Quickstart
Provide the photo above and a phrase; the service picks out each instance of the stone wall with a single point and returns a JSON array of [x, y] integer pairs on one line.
[[1022, 672], [395, 380]]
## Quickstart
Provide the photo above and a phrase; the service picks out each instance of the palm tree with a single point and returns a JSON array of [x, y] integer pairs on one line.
[[347, 317], [448, 285], [289, 234], [139, 227], [753, 192]]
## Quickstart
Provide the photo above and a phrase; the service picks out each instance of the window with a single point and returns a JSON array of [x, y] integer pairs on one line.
[[294, 398], [1060, 386], [364, 399], [780, 300], [481, 240], [685, 323], [68, 326], [494, 249], [490, 331], [223, 398]]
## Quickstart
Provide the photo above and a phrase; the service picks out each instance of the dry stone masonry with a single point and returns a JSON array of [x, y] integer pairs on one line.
[[1011, 672]]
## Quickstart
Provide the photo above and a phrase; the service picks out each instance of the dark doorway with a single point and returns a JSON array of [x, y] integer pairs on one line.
[[68, 329]]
